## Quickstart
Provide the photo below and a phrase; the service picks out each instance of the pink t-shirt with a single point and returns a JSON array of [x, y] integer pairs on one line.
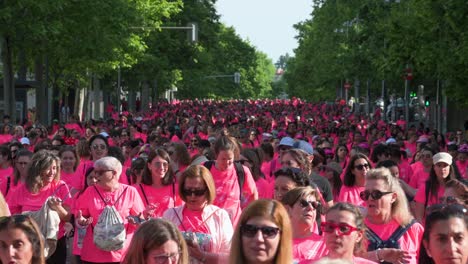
[[410, 241], [160, 199], [406, 172], [311, 247], [92, 205], [5, 172], [22, 200], [433, 199], [351, 195], [462, 168], [419, 178], [227, 190], [74, 180], [264, 188], [356, 260], [4, 188]]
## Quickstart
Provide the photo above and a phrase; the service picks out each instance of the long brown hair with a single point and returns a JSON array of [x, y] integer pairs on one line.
[[40, 162], [273, 211]]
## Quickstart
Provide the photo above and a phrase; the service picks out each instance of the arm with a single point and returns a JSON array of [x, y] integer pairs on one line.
[[419, 211]]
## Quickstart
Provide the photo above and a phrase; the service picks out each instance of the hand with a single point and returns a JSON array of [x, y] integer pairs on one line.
[[54, 203], [194, 249], [82, 221], [396, 256]]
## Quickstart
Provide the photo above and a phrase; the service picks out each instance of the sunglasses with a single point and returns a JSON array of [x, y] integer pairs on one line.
[[164, 258], [195, 192], [449, 200], [305, 204], [426, 156], [362, 166], [343, 229], [159, 164], [267, 231], [96, 147], [375, 194], [22, 163]]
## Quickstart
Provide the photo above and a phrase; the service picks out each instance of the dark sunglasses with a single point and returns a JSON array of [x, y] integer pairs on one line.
[[343, 229], [362, 166], [96, 147], [19, 218], [449, 200], [375, 194], [267, 231], [305, 203], [195, 192]]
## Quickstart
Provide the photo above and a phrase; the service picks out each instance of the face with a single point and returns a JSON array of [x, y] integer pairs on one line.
[[194, 201], [426, 158], [50, 173], [282, 186], [166, 253], [448, 242], [260, 249], [225, 159], [442, 170], [158, 167], [382, 205], [395, 171], [341, 244], [91, 179], [287, 160], [98, 149], [22, 164], [104, 176], [301, 215], [68, 160], [360, 168], [15, 247]]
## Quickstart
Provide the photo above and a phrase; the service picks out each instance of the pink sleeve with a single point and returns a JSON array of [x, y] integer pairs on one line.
[[421, 195], [249, 188], [81, 203]]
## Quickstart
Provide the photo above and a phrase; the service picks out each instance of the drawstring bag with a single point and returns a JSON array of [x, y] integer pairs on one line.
[[109, 233], [48, 222]]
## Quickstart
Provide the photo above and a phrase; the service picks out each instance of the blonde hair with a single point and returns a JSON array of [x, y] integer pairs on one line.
[[198, 171], [291, 197], [273, 211], [400, 209]]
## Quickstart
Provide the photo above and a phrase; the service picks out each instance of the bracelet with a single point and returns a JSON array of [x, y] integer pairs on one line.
[[381, 260]]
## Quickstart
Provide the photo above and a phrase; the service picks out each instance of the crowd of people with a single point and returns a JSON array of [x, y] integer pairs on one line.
[[255, 181]]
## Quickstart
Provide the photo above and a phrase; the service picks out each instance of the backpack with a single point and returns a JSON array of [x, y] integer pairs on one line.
[[376, 242], [239, 171], [109, 233]]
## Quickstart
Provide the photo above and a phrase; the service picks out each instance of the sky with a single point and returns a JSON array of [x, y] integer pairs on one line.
[[266, 24]]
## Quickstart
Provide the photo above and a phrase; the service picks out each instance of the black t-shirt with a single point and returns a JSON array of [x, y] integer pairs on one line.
[[323, 185]]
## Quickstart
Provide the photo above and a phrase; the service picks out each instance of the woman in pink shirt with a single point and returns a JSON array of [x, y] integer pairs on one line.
[[393, 234], [20, 173], [252, 159], [303, 206], [229, 195], [158, 188], [206, 227], [43, 181], [344, 234], [68, 163], [441, 172], [355, 180], [108, 191], [421, 172]]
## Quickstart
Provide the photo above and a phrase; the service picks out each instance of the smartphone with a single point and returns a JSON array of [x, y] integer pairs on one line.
[[137, 219]]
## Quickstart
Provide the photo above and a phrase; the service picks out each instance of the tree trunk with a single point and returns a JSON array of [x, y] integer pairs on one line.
[[8, 78]]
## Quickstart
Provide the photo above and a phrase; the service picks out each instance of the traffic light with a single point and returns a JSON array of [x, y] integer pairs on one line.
[[427, 102], [412, 94], [237, 77]]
